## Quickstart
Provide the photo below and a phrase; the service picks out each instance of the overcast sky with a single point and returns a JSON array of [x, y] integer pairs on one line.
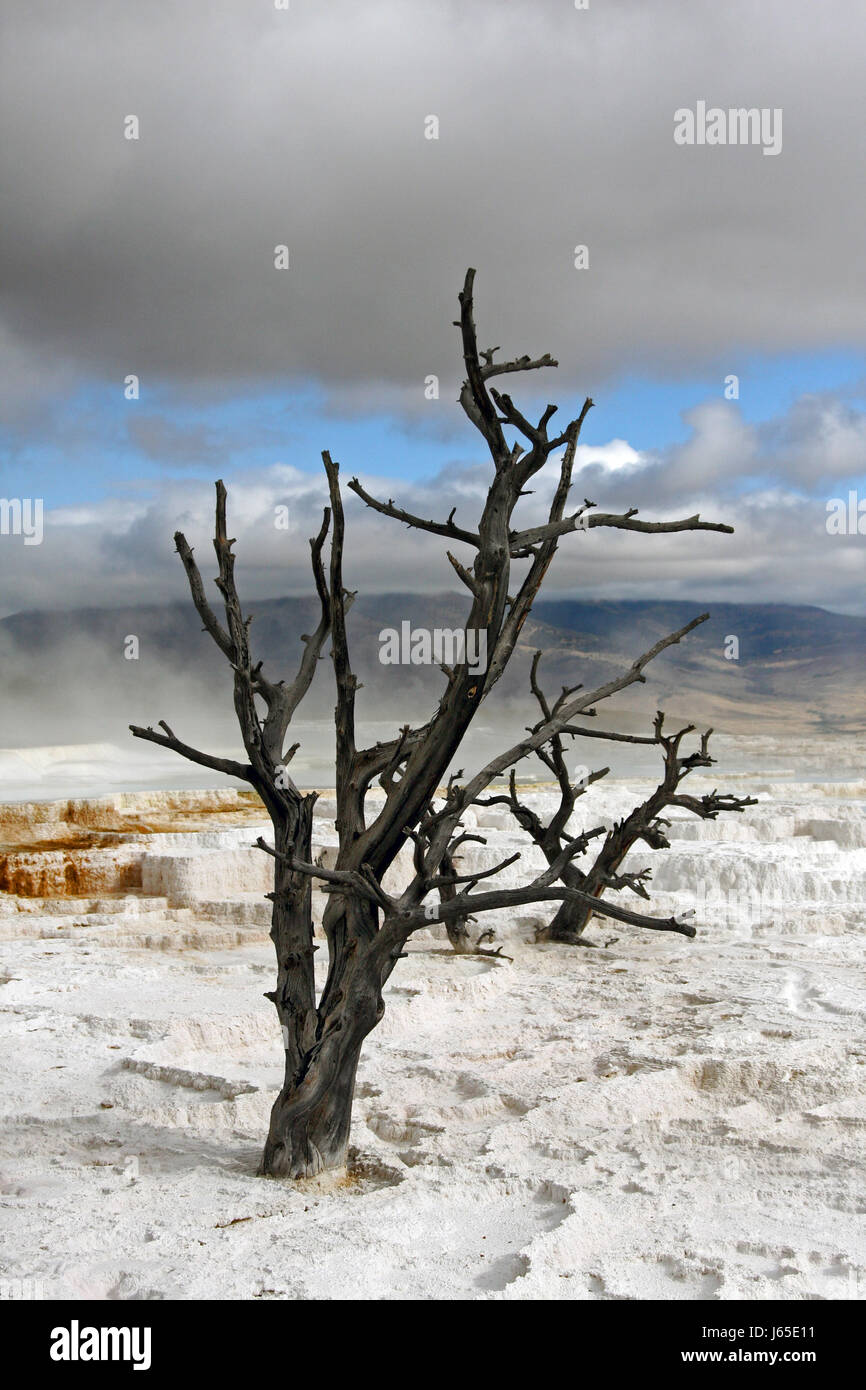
[[260, 127]]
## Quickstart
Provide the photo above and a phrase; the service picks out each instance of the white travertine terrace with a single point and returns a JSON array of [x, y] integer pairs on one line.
[[654, 1118]]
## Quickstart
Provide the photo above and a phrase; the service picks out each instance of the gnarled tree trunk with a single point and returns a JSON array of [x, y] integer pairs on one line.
[[311, 1117], [568, 923]]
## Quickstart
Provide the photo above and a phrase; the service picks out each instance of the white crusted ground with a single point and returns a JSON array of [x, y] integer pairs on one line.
[[656, 1118]]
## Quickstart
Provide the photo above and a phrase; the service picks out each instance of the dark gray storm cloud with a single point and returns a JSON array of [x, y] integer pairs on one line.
[[305, 127]]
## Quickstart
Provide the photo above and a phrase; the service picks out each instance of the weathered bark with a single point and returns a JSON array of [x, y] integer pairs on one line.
[[457, 928], [292, 934], [311, 1117], [568, 923], [307, 1138]]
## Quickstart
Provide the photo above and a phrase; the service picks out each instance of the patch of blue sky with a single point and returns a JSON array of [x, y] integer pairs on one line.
[[95, 443]]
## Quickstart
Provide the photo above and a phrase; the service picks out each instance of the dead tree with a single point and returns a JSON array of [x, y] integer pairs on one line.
[[644, 823], [366, 929]]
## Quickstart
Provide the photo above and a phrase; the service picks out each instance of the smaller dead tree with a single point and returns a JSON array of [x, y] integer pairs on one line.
[[439, 836], [645, 822]]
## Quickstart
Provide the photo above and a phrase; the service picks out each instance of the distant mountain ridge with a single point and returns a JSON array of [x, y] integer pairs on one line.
[[64, 674]]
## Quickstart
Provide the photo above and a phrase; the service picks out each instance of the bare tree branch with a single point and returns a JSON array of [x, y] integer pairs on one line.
[[206, 613], [522, 542], [400, 927], [437, 528], [168, 740]]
